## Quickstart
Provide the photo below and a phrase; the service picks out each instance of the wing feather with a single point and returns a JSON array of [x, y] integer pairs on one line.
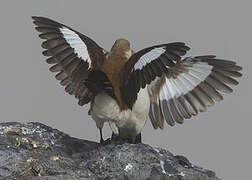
[[194, 84], [72, 54], [190, 85]]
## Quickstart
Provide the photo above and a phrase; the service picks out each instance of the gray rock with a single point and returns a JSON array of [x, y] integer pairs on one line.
[[36, 151]]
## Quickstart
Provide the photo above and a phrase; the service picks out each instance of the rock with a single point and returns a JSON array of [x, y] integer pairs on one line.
[[36, 151]]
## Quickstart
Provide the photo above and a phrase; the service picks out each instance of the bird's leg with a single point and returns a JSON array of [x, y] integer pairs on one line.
[[131, 140], [101, 138], [102, 141], [114, 137], [137, 139]]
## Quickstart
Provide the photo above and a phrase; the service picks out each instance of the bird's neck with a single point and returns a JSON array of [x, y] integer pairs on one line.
[[119, 54]]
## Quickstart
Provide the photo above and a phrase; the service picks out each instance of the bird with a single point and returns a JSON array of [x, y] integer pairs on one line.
[[126, 88]]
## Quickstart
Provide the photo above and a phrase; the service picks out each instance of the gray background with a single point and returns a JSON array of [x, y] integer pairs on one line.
[[219, 139]]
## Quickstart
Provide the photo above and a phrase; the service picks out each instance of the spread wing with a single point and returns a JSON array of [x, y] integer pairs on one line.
[[72, 54], [179, 88], [145, 65]]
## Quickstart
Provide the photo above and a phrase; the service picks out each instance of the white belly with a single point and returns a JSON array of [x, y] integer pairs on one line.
[[127, 123]]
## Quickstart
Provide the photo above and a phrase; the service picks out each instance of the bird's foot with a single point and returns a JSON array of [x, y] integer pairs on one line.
[[105, 142], [115, 139], [119, 140]]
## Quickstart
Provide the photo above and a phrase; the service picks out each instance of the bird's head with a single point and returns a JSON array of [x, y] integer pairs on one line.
[[122, 47]]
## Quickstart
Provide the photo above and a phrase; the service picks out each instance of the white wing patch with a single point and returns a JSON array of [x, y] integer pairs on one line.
[[76, 43], [148, 57], [185, 82]]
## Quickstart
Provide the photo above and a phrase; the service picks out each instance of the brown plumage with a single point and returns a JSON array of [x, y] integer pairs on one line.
[[113, 67]]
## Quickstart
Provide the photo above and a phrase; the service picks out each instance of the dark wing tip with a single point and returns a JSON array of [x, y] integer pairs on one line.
[[178, 43], [34, 17], [239, 68], [187, 48], [37, 18], [206, 57], [44, 21]]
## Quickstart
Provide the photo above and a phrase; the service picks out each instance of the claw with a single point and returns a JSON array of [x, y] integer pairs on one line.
[[107, 141]]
